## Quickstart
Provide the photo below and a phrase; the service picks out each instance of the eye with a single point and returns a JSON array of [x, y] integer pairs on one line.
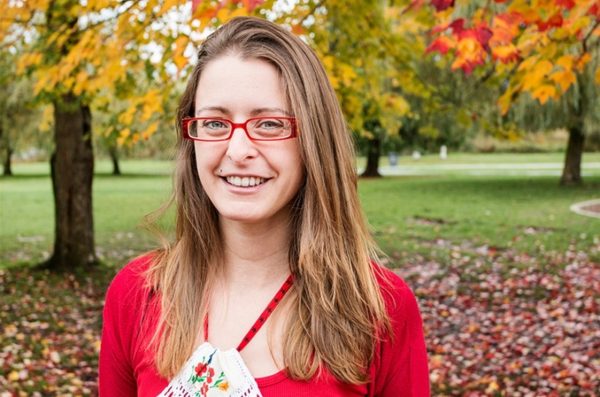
[[214, 124], [269, 124]]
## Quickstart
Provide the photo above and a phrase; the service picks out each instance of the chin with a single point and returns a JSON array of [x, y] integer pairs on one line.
[[242, 216]]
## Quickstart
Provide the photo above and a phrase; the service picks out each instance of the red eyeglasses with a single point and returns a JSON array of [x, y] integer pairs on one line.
[[214, 129]]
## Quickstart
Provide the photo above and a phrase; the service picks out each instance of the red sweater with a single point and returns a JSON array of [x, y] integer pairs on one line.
[[127, 369]]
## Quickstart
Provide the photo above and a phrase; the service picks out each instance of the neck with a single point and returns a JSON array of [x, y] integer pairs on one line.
[[256, 255]]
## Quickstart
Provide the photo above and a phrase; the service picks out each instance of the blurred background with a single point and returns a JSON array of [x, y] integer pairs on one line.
[[477, 131]]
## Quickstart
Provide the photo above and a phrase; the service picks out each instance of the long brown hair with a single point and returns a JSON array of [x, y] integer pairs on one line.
[[338, 311]]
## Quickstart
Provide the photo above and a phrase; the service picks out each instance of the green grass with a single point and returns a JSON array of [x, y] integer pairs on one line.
[[409, 215], [429, 215]]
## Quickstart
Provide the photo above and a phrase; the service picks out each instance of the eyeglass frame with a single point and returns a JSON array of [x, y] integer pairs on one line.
[[185, 122]]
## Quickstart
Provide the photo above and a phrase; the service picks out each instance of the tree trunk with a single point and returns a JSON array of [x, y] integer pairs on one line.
[[578, 109], [7, 161], [114, 156], [72, 168], [571, 174], [373, 154], [7, 170]]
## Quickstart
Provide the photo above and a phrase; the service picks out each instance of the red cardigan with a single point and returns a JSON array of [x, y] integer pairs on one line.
[[127, 369]]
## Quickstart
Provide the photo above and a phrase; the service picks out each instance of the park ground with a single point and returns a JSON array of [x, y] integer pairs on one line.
[[507, 277]]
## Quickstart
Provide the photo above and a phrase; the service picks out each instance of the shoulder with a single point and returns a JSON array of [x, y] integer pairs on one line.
[[395, 292], [129, 282]]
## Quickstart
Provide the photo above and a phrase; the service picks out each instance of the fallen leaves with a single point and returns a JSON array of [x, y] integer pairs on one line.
[[505, 326], [49, 339]]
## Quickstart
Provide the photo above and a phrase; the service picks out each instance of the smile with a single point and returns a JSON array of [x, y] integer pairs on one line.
[[245, 181]]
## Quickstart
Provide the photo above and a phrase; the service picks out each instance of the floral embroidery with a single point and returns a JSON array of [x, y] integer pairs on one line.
[[203, 377]]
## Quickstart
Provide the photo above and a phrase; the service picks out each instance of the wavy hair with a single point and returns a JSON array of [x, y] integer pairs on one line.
[[337, 312]]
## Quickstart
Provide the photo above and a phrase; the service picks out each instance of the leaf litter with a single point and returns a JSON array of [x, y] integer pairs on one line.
[[509, 326]]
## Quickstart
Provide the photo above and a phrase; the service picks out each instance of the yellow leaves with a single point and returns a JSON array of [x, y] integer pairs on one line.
[[564, 78], [524, 9], [167, 5], [139, 119], [148, 132], [548, 51], [98, 5], [151, 104], [469, 53], [544, 92], [27, 60], [328, 63], [225, 14], [126, 118], [505, 28], [123, 135], [340, 74], [527, 43], [492, 388], [13, 376], [397, 104], [505, 53], [566, 62], [80, 81], [469, 48], [578, 24], [505, 100], [178, 54], [597, 76], [534, 77], [582, 61], [347, 74]]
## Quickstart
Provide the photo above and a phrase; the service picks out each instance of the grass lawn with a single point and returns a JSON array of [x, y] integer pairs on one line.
[[409, 215], [431, 215]]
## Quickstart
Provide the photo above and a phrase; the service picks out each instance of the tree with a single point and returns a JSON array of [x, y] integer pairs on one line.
[[74, 50], [544, 48], [19, 115]]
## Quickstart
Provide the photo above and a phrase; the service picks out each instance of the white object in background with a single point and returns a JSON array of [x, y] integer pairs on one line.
[[416, 155], [443, 152]]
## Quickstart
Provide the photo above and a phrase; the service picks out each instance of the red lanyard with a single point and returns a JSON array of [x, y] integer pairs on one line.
[[262, 318]]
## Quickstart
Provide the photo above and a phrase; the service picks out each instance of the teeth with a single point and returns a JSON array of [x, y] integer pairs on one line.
[[246, 181]]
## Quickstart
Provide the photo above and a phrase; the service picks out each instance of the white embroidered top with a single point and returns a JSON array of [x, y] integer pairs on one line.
[[211, 372]]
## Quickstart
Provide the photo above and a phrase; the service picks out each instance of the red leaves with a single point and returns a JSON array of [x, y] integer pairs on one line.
[[457, 26], [441, 5], [50, 333], [518, 31], [594, 10], [503, 326], [470, 44], [442, 44], [554, 21], [566, 4]]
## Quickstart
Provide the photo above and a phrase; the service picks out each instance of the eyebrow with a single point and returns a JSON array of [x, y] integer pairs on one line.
[[254, 112]]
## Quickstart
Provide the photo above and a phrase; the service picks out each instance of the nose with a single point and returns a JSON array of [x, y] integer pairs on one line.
[[240, 147]]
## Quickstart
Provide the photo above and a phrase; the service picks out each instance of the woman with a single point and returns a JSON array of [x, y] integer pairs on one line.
[[267, 217]]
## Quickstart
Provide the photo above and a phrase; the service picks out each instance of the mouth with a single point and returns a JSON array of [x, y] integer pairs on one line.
[[245, 181]]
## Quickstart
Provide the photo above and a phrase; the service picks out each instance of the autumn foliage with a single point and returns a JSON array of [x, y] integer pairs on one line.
[[538, 46]]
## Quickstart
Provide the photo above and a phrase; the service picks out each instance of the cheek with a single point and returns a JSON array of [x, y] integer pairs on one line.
[[296, 163], [206, 161]]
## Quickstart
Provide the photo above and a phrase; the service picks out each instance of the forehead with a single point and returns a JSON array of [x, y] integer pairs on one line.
[[240, 85]]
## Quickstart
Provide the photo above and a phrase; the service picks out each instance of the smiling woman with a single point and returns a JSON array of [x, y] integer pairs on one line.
[[271, 286]]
